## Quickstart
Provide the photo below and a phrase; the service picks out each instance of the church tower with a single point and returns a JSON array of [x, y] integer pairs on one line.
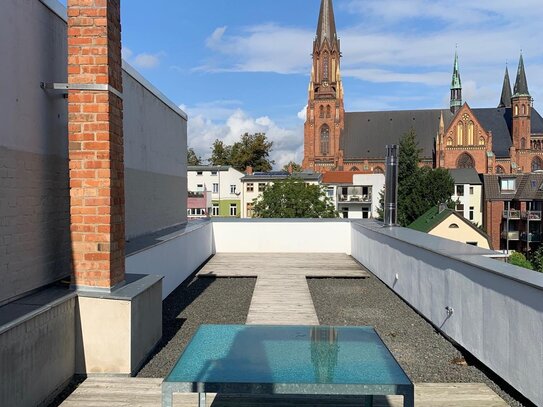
[[521, 104], [456, 87], [325, 109]]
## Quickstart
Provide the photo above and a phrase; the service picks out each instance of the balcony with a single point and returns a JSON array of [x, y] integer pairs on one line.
[[531, 215], [512, 214], [355, 198], [513, 235], [533, 237]]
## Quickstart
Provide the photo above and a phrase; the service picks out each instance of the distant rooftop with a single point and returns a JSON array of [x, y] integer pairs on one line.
[[208, 167], [278, 175], [465, 176]]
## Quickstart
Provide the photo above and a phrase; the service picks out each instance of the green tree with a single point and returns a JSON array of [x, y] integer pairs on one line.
[[295, 167], [192, 158], [537, 259], [293, 198], [418, 188], [252, 150], [518, 259]]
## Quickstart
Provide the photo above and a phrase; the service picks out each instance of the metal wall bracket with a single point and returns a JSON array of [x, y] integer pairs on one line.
[[80, 86]]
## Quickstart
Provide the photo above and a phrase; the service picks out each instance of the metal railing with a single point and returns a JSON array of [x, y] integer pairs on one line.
[[513, 235], [512, 214], [531, 215]]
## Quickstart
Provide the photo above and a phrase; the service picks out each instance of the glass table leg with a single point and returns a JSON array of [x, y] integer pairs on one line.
[[201, 400], [368, 401], [409, 400]]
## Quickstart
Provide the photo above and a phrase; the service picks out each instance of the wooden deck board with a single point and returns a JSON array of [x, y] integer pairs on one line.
[[136, 392]]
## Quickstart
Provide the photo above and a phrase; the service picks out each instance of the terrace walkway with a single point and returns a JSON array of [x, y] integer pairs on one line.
[[281, 296]]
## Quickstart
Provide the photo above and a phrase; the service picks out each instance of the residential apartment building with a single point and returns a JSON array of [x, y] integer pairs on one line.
[[223, 184], [513, 205], [355, 195], [253, 185], [468, 194], [199, 204]]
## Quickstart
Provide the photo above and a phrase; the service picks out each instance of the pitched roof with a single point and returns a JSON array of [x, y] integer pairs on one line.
[[465, 176], [430, 219], [529, 187], [208, 167], [326, 28], [279, 175], [505, 99], [339, 177], [521, 84], [367, 133]]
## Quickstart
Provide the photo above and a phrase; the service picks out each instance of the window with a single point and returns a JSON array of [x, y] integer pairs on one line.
[[328, 112], [321, 112], [233, 189], [325, 140], [465, 161], [472, 243], [378, 170], [471, 128], [453, 226], [214, 173], [500, 170], [215, 210], [215, 188], [199, 173], [537, 164], [449, 141], [250, 187], [523, 109], [481, 141], [471, 212], [508, 184], [196, 212], [516, 110], [353, 169], [330, 192], [261, 187], [460, 190], [200, 187], [471, 190], [460, 209], [325, 68], [365, 213], [250, 210], [345, 213], [233, 210], [460, 134], [523, 143]]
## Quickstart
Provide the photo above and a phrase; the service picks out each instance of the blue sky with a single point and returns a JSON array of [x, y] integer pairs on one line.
[[243, 65]]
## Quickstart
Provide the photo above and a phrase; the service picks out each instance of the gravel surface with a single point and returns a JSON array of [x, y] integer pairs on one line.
[[195, 302], [425, 355]]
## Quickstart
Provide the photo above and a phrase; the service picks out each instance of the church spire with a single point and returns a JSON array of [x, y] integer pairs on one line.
[[456, 86], [326, 28], [521, 84], [505, 100]]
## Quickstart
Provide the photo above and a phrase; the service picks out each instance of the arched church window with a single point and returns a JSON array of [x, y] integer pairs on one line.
[[325, 67], [378, 170], [321, 112], [460, 134], [537, 164], [523, 109], [449, 141], [523, 143], [471, 129], [500, 170], [465, 161], [516, 110], [328, 111], [481, 141], [325, 140], [353, 169]]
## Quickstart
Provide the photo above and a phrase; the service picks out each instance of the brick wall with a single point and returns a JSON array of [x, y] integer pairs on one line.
[[96, 143]]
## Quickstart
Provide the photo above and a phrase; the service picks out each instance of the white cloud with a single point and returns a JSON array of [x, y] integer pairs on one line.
[[203, 131], [302, 114], [142, 60]]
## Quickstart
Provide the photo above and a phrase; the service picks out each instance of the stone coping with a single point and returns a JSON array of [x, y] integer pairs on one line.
[[135, 284], [274, 220]]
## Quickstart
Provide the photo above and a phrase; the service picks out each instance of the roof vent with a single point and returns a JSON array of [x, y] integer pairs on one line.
[[442, 207]]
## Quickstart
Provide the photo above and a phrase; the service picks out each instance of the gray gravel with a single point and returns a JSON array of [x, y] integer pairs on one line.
[[195, 302], [425, 355]]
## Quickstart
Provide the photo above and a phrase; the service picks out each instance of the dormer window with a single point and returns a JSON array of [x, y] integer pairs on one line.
[[508, 184]]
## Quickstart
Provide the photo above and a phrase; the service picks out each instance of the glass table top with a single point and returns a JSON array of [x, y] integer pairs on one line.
[[319, 355]]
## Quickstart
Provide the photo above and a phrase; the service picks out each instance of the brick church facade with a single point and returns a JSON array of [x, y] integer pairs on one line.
[[507, 139]]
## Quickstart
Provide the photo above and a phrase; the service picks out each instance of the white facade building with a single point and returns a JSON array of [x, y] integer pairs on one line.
[[468, 194]]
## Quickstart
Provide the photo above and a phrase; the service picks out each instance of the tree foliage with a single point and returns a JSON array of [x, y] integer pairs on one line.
[[536, 259], [419, 189], [518, 259], [295, 167], [193, 158], [252, 150], [293, 198]]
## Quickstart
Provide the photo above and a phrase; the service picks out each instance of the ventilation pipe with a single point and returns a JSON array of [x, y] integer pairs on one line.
[[391, 186]]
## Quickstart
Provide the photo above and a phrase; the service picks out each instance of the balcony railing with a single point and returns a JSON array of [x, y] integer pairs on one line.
[[512, 214], [531, 215], [514, 235], [530, 237], [355, 198]]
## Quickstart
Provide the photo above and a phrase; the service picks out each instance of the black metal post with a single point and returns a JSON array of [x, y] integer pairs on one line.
[[391, 186]]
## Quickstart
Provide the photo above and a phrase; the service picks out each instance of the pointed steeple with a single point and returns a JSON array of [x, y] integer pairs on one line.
[[326, 29], [456, 86], [521, 84], [505, 100]]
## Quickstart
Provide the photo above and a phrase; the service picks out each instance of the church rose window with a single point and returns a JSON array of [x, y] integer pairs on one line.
[[325, 140], [465, 161], [537, 164]]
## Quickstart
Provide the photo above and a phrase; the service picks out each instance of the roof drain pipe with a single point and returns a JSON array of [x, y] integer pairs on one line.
[[391, 186]]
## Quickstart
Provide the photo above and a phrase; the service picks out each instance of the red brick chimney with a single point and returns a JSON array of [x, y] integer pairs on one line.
[[290, 170], [249, 170], [95, 128]]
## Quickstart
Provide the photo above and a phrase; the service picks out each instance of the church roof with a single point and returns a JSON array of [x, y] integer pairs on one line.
[[326, 28], [367, 133], [521, 84], [456, 82], [505, 100]]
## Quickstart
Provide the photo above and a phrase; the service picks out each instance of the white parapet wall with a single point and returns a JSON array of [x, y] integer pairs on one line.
[[281, 236], [497, 308]]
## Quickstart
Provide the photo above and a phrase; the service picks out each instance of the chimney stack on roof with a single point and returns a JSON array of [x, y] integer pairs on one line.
[[249, 170]]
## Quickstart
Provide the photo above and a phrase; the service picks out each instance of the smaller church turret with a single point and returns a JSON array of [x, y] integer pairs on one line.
[[505, 100], [456, 87], [521, 103]]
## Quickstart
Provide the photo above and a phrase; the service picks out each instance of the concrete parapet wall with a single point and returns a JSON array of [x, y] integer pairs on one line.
[[37, 355], [498, 308]]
